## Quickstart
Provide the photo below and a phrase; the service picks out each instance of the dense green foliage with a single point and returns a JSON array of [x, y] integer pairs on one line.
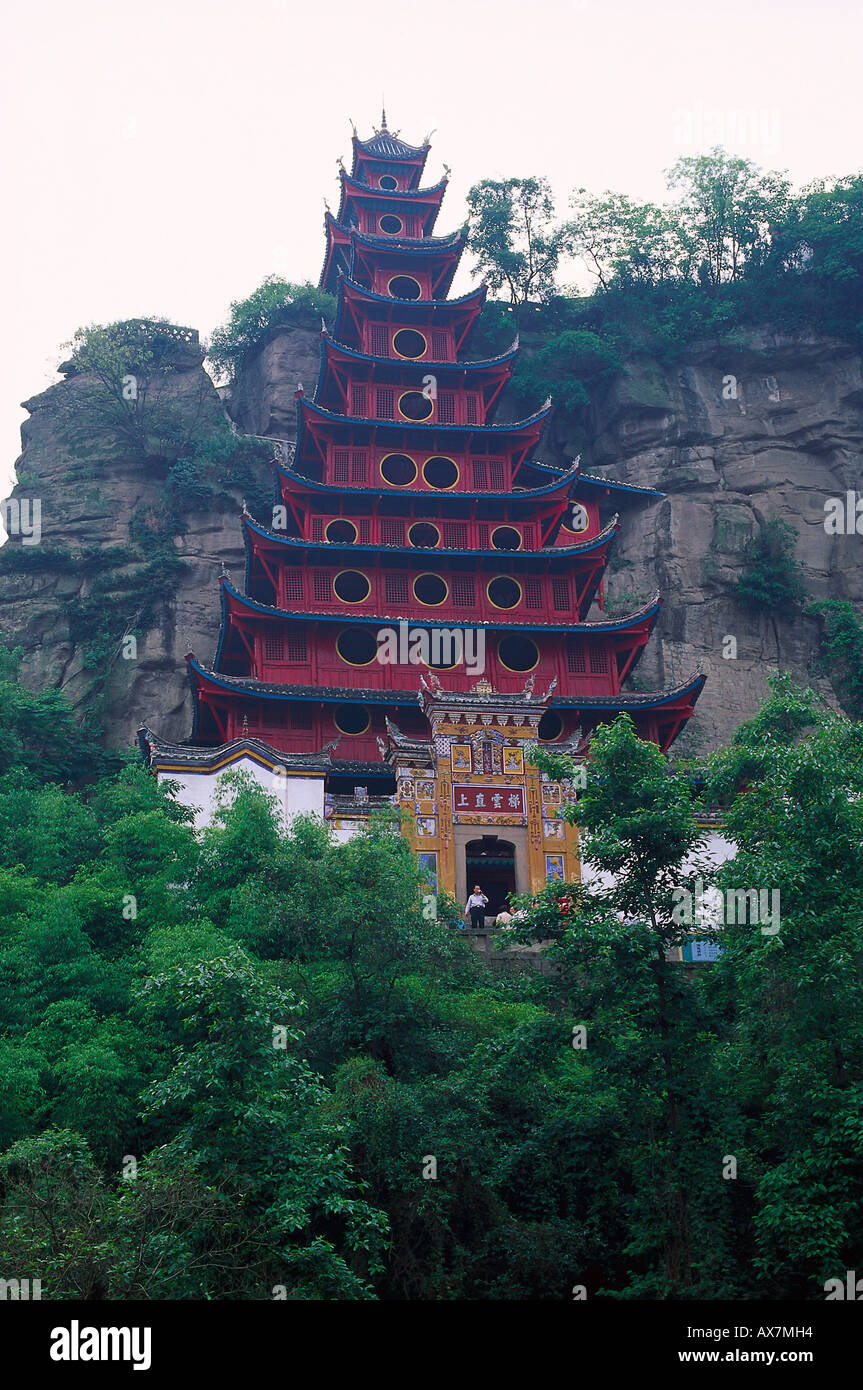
[[275, 301], [771, 581], [842, 651], [736, 248], [242, 1064], [513, 237], [40, 736]]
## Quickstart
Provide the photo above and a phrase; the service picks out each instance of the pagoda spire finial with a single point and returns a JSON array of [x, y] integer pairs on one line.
[[383, 114]]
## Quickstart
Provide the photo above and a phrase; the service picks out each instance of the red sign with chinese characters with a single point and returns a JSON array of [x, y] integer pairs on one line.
[[508, 801]]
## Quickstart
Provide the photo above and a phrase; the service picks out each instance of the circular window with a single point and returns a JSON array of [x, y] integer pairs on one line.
[[504, 592], [517, 653], [550, 726], [408, 343], [357, 646], [413, 405], [398, 469], [351, 586], [578, 519], [440, 472], [391, 224], [506, 538], [430, 590], [341, 531], [424, 534], [387, 181], [352, 719], [444, 650], [404, 287]]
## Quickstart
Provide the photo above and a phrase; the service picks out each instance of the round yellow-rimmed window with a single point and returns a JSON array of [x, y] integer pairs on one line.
[[577, 518], [424, 535], [356, 646], [413, 405], [410, 343], [440, 472], [506, 538], [430, 590], [454, 650], [351, 586], [399, 470], [503, 592], [404, 287], [340, 531], [390, 224], [388, 182], [517, 653], [352, 719]]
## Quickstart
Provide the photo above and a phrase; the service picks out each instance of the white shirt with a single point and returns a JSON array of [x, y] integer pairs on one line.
[[475, 900]]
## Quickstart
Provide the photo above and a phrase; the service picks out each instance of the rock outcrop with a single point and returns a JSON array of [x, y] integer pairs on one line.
[[733, 437]]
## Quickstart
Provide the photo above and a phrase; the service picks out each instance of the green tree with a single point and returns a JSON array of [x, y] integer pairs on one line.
[[797, 822], [726, 209], [40, 732], [130, 385], [771, 580], [514, 237], [614, 944], [567, 367], [621, 240], [274, 302], [246, 1111], [842, 651]]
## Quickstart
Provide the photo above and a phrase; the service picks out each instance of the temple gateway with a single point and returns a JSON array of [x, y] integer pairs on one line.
[[402, 508]]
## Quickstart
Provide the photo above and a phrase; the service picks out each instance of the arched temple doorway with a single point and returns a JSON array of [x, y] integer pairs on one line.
[[490, 862]]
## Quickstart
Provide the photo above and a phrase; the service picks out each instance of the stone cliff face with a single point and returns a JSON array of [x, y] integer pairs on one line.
[[733, 437]]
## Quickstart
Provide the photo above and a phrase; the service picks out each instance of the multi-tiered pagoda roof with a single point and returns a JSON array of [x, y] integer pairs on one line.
[[405, 499]]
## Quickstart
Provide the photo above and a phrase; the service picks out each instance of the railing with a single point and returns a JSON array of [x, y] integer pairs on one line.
[[283, 449]]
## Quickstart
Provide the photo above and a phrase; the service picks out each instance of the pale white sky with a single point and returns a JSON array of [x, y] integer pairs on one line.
[[162, 158]]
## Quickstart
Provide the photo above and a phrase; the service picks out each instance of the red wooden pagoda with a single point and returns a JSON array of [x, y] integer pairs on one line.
[[404, 500]]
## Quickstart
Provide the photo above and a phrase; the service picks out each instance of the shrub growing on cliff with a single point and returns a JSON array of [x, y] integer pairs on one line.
[[842, 651], [275, 301], [771, 581], [39, 731], [130, 387], [565, 368]]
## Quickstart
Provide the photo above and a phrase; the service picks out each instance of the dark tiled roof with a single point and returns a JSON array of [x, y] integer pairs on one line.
[[383, 145], [200, 756], [248, 685], [630, 699]]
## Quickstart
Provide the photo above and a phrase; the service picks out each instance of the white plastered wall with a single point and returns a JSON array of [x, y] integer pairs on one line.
[[295, 794]]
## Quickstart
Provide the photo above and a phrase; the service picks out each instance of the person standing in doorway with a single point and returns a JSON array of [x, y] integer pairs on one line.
[[476, 906]]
